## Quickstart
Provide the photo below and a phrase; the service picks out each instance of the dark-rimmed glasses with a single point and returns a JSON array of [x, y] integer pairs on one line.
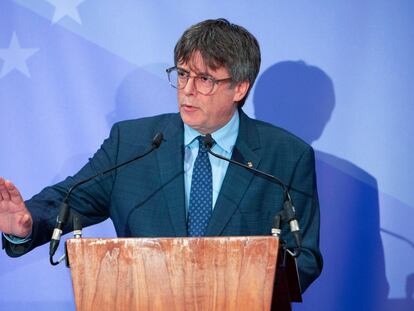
[[204, 84]]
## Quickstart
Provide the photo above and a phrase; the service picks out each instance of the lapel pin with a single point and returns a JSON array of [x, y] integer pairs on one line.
[[250, 164]]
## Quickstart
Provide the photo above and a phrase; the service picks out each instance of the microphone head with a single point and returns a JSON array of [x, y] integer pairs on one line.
[[157, 140], [77, 223], [209, 141]]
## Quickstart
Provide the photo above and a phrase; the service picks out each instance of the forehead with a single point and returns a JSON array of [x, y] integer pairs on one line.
[[197, 64]]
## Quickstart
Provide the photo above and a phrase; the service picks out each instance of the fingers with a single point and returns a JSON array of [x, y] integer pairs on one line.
[[9, 192], [1, 184], [14, 194], [4, 192]]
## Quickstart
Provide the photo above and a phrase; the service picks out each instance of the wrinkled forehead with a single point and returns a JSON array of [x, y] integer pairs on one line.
[[199, 63]]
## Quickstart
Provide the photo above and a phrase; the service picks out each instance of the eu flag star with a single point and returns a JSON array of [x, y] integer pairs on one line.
[[66, 8], [15, 57]]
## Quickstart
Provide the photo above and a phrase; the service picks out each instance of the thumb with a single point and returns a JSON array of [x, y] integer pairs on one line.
[[26, 221]]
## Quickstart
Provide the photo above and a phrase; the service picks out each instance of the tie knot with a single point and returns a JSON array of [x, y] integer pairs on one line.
[[201, 145]]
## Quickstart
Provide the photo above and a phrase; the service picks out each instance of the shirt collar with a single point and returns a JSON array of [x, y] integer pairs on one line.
[[224, 137]]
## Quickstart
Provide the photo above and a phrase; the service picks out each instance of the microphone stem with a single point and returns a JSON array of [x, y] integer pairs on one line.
[[271, 177], [288, 212]]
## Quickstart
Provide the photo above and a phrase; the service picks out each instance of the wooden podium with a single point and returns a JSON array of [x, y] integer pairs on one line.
[[217, 273]]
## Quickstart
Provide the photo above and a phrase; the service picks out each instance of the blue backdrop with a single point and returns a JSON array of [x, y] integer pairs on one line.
[[339, 74]]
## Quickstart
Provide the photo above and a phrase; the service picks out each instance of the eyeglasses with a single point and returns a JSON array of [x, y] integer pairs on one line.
[[203, 84]]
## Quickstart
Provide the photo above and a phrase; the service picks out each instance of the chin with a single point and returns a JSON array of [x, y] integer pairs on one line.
[[188, 119]]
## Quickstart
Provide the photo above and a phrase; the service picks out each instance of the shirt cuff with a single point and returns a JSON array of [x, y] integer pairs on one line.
[[16, 240]]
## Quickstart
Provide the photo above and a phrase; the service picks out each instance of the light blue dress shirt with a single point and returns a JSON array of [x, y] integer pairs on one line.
[[225, 140]]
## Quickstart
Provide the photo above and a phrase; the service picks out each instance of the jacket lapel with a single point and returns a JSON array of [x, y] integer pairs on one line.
[[171, 165], [237, 178]]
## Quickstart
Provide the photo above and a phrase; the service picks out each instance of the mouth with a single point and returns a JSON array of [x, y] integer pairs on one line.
[[188, 108]]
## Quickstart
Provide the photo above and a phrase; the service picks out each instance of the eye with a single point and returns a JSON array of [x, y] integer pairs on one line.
[[182, 74], [205, 79]]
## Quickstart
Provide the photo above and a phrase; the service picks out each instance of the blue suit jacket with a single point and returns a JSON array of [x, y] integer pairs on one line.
[[147, 199]]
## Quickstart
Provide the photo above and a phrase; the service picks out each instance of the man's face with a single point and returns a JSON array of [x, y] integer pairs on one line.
[[208, 113]]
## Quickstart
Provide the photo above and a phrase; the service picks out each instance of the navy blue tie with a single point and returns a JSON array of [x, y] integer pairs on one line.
[[201, 193]]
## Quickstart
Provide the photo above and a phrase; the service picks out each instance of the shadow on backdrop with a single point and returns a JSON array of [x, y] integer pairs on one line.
[[143, 94], [301, 98]]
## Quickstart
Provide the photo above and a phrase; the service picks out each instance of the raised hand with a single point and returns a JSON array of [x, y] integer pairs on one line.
[[15, 219]]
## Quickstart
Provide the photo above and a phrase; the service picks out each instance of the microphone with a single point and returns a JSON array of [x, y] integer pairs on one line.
[[288, 212], [64, 209]]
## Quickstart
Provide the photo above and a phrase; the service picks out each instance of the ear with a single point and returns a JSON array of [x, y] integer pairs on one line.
[[240, 90]]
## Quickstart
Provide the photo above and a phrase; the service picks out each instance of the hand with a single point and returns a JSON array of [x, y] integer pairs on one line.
[[15, 219]]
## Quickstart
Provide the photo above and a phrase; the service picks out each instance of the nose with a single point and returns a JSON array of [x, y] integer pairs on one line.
[[189, 88]]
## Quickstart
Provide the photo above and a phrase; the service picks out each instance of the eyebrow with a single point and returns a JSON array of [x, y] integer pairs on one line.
[[197, 73]]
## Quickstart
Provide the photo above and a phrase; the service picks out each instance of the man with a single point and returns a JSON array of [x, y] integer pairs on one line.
[[180, 190]]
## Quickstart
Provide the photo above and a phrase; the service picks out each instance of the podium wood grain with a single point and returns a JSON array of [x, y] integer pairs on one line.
[[223, 273]]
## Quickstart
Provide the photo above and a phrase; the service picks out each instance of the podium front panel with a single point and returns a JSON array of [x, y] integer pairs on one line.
[[219, 273]]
